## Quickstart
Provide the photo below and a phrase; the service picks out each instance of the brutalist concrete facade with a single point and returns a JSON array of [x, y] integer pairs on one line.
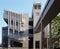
[[17, 27], [36, 12], [21, 28]]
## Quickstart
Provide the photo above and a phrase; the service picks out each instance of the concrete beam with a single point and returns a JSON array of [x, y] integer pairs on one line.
[[51, 13]]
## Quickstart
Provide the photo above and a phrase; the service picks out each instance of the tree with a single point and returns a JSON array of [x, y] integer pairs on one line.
[[56, 28]]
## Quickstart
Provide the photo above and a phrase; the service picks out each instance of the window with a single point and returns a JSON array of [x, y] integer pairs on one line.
[[11, 31], [16, 32], [39, 7], [35, 6], [37, 44], [12, 22], [21, 33], [22, 24], [17, 44]]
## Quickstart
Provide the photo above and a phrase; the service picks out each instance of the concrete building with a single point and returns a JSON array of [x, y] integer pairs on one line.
[[36, 12], [20, 30], [4, 36], [39, 38], [17, 27]]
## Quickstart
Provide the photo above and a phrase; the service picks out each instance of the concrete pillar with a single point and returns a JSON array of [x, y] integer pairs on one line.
[[10, 18], [13, 24], [50, 39], [25, 43], [47, 42], [26, 33], [25, 40], [33, 43], [8, 29], [15, 21], [9, 43], [33, 38], [18, 24], [41, 37]]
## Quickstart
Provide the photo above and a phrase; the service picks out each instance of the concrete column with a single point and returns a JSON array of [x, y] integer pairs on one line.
[[25, 42], [34, 42], [41, 47], [47, 42], [25, 39], [10, 18], [25, 29], [37, 38], [50, 39], [13, 24], [9, 43], [15, 21], [8, 29], [18, 25]]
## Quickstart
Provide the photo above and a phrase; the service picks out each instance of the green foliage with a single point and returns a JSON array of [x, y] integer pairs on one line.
[[56, 27]]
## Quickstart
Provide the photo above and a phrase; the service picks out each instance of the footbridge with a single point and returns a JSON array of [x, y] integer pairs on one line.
[[52, 8]]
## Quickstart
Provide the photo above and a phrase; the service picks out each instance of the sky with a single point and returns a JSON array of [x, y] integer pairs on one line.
[[21, 6]]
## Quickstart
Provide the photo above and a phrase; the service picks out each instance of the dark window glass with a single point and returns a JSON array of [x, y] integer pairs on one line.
[[35, 6], [30, 42], [31, 23], [22, 24], [39, 7], [37, 44], [11, 31], [30, 31], [21, 33], [16, 32], [12, 22], [17, 44]]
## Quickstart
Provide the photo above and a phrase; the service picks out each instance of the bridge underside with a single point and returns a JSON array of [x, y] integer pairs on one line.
[[52, 12]]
